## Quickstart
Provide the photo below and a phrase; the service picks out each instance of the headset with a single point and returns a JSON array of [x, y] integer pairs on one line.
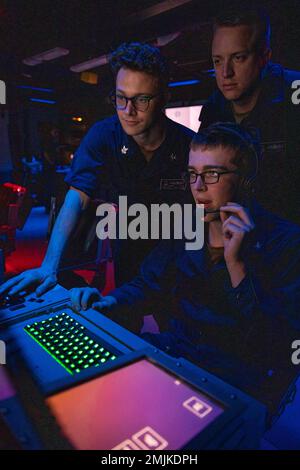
[[249, 139]]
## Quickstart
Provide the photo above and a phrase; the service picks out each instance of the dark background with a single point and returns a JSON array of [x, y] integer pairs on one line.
[[92, 28]]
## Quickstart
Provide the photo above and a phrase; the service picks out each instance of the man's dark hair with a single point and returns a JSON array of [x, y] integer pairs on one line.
[[257, 19], [233, 136], [141, 57]]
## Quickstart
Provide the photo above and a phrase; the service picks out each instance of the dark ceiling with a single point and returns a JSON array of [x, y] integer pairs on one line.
[[91, 28]]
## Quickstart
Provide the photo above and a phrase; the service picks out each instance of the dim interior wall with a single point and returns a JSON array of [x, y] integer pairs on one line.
[[5, 153], [32, 118]]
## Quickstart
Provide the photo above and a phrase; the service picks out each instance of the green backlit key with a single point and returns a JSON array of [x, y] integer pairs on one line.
[[69, 343]]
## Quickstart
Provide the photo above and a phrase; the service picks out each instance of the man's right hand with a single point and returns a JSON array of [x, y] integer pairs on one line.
[[45, 277], [42, 278], [89, 297]]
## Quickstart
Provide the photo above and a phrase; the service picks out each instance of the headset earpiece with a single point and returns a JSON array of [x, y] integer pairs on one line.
[[246, 187]]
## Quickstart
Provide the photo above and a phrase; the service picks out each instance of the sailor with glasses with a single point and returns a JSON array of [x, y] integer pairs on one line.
[[258, 94], [231, 307], [138, 153]]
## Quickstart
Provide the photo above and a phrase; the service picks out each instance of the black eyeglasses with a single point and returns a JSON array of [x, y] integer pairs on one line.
[[208, 177], [139, 102]]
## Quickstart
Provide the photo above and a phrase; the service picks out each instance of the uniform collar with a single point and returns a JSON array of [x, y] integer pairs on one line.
[[164, 158]]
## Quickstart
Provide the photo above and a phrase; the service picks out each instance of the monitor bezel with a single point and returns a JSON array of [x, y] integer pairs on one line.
[[233, 405]]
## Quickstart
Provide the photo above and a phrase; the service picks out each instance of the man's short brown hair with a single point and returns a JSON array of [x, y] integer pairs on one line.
[[257, 19]]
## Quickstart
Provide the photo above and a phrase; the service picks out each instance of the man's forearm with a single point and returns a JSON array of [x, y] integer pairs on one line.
[[63, 228]]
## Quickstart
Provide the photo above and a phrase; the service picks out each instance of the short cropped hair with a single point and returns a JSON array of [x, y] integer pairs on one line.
[[233, 136], [140, 57], [257, 19]]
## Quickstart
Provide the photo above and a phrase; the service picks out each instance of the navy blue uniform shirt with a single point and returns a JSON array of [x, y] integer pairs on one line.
[[275, 121], [109, 163], [243, 334]]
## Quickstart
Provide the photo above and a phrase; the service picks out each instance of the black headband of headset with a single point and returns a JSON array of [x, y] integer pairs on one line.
[[247, 139]]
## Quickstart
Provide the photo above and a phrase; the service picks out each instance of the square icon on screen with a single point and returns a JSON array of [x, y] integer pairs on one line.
[[198, 407], [148, 439], [126, 445]]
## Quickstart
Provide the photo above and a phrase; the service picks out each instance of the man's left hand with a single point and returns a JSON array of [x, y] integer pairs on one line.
[[237, 222]]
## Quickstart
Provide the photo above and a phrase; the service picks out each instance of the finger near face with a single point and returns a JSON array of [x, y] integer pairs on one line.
[[240, 211], [232, 229], [238, 222]]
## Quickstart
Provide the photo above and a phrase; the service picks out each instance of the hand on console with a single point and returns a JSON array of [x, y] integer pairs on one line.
[[41, 279], [86, 297]]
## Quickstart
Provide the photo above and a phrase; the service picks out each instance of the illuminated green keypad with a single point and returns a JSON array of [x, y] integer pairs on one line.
[[69, 343]]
